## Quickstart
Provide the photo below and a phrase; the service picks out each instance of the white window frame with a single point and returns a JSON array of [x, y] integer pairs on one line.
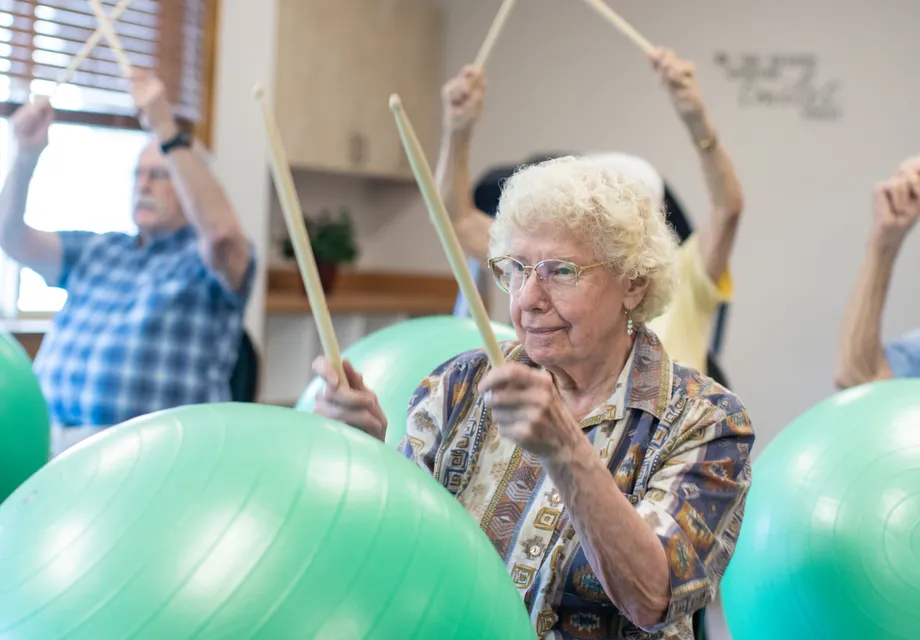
[[9, 270]]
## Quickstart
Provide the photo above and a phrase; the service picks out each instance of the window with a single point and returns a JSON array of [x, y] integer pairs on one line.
[[85, 179], [38, 39]]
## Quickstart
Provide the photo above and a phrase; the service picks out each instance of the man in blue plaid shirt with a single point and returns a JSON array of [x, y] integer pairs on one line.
[[151, 321]]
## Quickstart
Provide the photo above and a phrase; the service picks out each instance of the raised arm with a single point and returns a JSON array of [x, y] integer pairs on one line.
[[38, 250], [462, 97], [716, 236], [861, 357], [224, 247]]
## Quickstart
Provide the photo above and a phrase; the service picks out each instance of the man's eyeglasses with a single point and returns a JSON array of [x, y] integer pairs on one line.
[[152, 173]]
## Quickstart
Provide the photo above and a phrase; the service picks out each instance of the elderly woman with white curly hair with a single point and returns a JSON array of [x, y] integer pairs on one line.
[[610, 479]]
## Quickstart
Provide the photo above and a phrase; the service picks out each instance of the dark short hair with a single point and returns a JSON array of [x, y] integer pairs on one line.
[[488, 190]]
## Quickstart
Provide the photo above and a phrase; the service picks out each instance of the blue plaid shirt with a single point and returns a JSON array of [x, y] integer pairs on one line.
[[903, 355], [144, 328]]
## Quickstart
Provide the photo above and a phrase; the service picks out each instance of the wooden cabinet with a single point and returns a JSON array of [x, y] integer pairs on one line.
[[338, 61]]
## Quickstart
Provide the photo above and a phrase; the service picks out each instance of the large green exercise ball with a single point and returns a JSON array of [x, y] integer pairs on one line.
[[395, 360], [247, 521], [830, 544], [25, 434]]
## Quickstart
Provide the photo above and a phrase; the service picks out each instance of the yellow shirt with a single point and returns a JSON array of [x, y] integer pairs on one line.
[[685, 327]]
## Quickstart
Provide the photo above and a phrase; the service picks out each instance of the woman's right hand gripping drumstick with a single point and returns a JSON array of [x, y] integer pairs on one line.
[[354, 405]]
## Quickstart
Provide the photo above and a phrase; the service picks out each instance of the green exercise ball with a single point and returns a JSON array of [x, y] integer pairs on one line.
[[245, 521], [25, 434], [830, 545], [396, 359]]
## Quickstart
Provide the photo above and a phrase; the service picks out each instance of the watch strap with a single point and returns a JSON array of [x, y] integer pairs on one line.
[[181, 140]]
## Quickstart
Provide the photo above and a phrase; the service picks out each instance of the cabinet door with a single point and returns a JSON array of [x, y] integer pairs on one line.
[[409, 45], [317, 94], [338, 62]]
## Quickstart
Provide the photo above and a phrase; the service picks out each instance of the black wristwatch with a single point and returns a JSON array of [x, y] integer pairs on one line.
[[182, 139]]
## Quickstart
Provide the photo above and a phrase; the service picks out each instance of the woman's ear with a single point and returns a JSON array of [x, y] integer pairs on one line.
[[635, 292]]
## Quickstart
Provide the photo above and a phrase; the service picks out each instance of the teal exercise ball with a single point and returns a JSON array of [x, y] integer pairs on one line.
[[25, 432], [396, 359], [245, 521], [830, 544]]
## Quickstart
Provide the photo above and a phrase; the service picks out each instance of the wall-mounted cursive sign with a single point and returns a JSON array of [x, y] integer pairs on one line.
[[782, 81]]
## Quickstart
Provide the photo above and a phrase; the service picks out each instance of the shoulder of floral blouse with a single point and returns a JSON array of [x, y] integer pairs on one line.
[[699, 399]]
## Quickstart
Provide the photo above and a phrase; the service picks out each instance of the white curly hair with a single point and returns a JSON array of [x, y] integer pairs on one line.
[[608, 209]]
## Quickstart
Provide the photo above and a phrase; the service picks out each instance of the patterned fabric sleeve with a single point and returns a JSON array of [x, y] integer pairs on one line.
[[428, 409], [441, 400], [695, 501], [73, 244]]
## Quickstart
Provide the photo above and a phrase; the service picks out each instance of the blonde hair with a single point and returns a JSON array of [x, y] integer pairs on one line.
[[607, 209]]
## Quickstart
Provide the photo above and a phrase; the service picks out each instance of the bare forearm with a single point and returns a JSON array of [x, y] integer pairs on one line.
[[203, 199], [13, 200], [453, 174], [717, 237], [37, 250], [623, 551], [455, 188], [860, 355], [209, 210]]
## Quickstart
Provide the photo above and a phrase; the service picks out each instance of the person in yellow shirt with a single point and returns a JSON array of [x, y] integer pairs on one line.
[[705, 281]]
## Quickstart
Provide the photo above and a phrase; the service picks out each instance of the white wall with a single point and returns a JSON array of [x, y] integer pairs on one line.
[[239, 143], [562, 79]]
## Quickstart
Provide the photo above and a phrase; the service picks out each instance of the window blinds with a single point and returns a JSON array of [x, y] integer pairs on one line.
[[38, 38]]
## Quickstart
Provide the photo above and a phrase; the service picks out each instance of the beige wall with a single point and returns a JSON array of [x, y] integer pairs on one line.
[[560, 78], [239, 146]]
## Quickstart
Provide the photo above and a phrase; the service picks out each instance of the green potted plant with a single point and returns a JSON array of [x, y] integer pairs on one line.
[[332, 239]]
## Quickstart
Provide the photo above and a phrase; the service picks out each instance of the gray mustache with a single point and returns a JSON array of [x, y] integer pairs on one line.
[[148, 203]]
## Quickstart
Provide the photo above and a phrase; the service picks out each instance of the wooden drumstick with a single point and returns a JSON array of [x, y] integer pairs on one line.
[[89, 45], [114, 43], [494, 31], [627, 29], [445, 230], [293, 216]]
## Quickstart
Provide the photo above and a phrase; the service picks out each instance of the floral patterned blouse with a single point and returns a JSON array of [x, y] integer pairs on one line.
[[677, 444]]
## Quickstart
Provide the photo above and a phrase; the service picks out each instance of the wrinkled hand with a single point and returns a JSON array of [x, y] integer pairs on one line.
[[30, 125], [355, 405], [679, 77], [896, 205], [528, 409], [149, 95], [462, 97]]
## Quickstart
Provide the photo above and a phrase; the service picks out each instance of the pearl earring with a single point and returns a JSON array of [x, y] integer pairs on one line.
[[629, 323]]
